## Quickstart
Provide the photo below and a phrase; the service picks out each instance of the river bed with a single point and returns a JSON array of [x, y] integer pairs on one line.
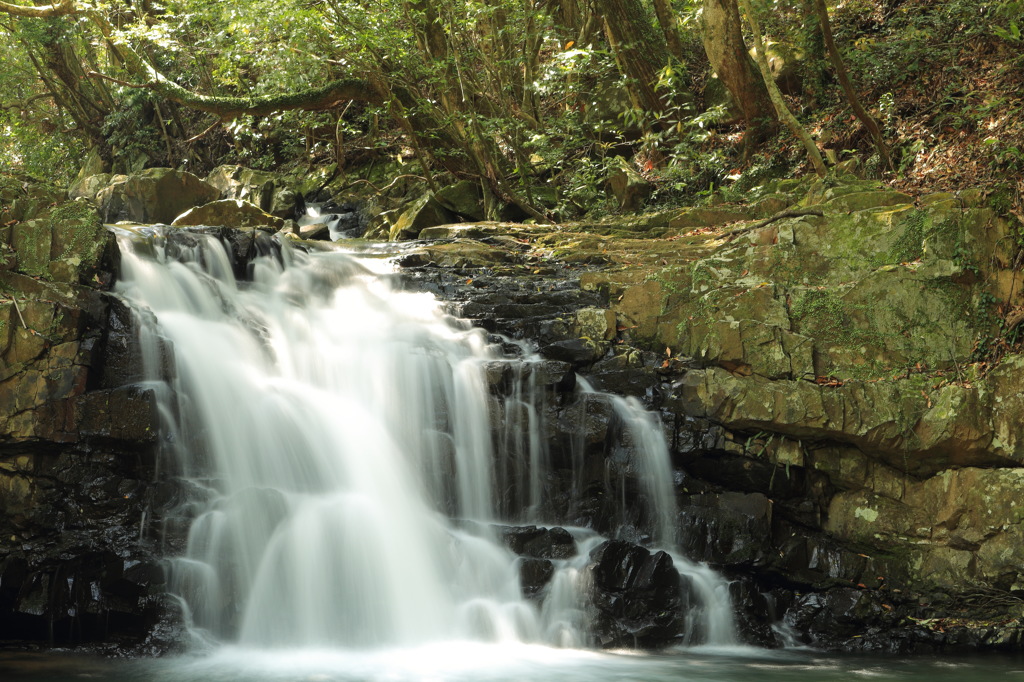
[[457, 662]]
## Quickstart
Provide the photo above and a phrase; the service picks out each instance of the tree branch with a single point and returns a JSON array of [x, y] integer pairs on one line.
[[96, 74], [62, 8]]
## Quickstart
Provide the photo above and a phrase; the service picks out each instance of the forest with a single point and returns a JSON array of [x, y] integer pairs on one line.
[[538, 101]]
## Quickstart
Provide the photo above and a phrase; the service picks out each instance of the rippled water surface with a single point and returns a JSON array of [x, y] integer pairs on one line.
[[456, 662]]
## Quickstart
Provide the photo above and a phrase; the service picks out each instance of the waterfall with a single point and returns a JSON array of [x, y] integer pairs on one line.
[[342, 461]]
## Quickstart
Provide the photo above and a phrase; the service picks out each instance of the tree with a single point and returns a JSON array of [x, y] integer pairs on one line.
[[640, 51], [723, 43], [844, 80], [776, 96]]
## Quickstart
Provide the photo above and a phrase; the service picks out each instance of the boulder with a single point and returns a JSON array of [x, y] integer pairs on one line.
[[156, 195], [268, 191], [534, 575], [64, 244], [464, 199], [421, 213], [637, 595], [315, 231], [89, 187], [229, 213], [630, 188]]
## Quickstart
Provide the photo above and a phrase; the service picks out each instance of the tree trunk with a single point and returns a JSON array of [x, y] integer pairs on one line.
[[667, 20], [844, 80], [640, 51], [723, 43], [776, 95]]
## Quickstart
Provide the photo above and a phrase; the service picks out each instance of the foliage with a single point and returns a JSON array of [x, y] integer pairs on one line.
[[531, 97]]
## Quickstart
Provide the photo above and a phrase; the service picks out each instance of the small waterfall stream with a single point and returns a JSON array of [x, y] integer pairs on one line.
[[347, 461]]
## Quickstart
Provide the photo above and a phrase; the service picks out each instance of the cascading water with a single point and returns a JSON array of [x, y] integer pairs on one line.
[[345, 472]]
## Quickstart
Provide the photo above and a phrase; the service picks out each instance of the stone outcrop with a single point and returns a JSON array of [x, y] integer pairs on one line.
[[844, 434]]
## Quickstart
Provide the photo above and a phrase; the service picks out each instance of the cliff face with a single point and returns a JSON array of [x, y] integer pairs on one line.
[[77, 439]]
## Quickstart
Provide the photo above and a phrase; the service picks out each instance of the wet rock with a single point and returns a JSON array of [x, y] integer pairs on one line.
[[637, 596], [551, 373], [578, 352], [540, 543], [534, 575], [315, 231], [126, 413], [757, 613], [727, 529]]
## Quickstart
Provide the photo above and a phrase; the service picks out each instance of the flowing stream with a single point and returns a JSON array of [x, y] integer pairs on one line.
[[346, 457]]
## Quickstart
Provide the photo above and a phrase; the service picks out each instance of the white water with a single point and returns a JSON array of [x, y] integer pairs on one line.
[[328, 428]]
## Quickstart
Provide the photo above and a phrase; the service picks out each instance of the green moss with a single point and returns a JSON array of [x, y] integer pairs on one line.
[[909, 246], [821, 314]]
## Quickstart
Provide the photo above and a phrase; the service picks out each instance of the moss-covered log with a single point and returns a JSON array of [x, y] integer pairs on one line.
[[323, 97]]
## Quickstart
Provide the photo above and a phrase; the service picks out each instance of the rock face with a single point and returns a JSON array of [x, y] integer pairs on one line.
[[77, 442], [155, 195]]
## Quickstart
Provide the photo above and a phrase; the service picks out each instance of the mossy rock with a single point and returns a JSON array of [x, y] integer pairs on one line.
[[67, 244], [862, 201], [464, 199], [270, 192], [462, 253], [421, 213], [229, 213], [156, 195], [709, 217]]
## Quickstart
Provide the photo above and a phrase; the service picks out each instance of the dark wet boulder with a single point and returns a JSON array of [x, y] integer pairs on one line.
[[579, 352], [637, 596], [541, 543], [727, 529], [534, 575]]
